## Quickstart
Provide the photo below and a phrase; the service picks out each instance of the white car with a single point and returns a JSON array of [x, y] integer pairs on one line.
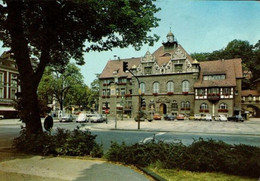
[[96, 118], [208, 117], [197, 117], [221, 117], [82, 117]]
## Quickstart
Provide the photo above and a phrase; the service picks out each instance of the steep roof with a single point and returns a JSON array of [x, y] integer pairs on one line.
[[232, 68], [117, 65]]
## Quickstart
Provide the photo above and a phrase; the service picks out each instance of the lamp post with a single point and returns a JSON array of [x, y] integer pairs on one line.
[[115, 81]]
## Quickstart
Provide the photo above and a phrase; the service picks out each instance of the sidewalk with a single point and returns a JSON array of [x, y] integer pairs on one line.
[[251, 127], [38, 168]]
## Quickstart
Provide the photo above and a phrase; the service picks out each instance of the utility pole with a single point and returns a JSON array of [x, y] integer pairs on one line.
[[125, 68]]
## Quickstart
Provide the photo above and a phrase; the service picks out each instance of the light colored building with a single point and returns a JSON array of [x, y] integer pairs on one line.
[[171, 82], [8, 85]]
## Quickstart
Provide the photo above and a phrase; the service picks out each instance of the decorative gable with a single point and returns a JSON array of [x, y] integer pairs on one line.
[[148, 57], [179, 54]]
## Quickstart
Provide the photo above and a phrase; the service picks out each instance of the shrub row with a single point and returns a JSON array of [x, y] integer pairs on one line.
[[201, 155], [61, 142]]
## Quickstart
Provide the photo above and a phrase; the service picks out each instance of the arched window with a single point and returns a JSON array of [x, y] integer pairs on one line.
[[185, 86], [223, 106], [204, 106], [174, 106], [156, 87], [188, 105], [142, 87], [183, 104], [170, 87]]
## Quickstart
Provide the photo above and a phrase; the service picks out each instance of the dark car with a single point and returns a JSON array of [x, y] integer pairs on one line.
[[237, 118], [171, 117]]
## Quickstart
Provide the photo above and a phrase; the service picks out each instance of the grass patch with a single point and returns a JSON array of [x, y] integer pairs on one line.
[[174, 175]]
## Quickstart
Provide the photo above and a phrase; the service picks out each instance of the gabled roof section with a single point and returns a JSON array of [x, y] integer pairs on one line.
[[232, 68], [117, 65], [161, 55]]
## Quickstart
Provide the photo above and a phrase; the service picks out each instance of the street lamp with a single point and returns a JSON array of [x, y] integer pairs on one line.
[[115, 81]]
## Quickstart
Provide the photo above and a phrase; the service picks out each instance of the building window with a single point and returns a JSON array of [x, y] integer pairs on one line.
[[185, 105], [104, 92], [185, 86], [123, 91], [117, 92], [13, 91], [223, 106], [227, 91], [200, 92], [156, 87], [178, 68], [214, 77], [147, 70], [142, 87], [204, 106], [13, 80], [108, 92], [170, 87], [213, 91], [122, 80], [1, 79], [174, 106], [1, 92]]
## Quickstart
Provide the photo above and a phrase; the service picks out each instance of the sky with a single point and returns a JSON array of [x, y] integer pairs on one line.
[[199, 26]]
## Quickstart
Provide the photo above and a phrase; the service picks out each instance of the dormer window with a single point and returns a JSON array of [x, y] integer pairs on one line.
[[214, 77]]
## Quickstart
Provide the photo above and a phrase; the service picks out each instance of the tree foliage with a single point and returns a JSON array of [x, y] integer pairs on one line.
[[250, 55], [59, 85], [53, 32]]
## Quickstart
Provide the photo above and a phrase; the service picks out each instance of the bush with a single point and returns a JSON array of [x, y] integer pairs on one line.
[[62, 142], [201, 155]]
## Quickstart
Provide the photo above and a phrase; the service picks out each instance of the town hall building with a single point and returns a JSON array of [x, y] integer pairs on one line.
[[171, 82]]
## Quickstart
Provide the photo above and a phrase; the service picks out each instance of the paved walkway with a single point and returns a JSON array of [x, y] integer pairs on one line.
[[37, 168], [251, 127]]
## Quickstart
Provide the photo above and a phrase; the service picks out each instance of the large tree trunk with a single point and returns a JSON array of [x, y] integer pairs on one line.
[[28, 103]]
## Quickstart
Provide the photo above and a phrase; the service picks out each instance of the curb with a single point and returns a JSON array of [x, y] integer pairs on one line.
[[180, 132], [151, 174]]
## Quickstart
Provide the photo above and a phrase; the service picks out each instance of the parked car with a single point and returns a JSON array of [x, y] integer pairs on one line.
[[96, 118], [203, 117], [165, 116], [66, 118], [240, 118], [171, 117], [236, 118], [221, 117], [180, 117], [197, 117], [191, 117], [208, 117], [157, 117], [82, 117]]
